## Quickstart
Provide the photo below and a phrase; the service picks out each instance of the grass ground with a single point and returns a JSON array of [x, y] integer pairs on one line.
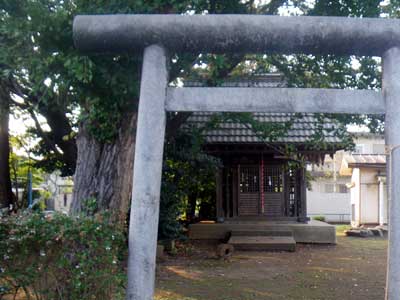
[[353, 269]]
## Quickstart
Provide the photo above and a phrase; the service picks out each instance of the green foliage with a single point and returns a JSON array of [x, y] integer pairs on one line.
[[48, 73], [60, 257], [44, 69], [39, 48], [39, 205], [21, 164], [45, 195], [186, 170], [90, 206], [347, 8], [331, 71], [171, 204], [319, 218]]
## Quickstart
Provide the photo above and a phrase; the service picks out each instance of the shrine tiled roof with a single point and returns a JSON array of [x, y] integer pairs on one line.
[[303, 127]]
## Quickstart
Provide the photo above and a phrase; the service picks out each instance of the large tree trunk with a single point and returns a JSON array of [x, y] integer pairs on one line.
[[105, 171], [6, 195]]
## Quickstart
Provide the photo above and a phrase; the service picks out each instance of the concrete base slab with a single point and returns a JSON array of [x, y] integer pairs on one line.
[[262, 233], [263, 243], [310, 232]]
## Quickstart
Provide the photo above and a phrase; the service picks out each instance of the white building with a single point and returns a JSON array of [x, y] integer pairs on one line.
[[61, 192], [329, 196], [367, 168], [347, 188]]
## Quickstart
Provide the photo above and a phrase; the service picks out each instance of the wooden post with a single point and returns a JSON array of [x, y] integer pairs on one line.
[[303, 196], [286, 193], [228, 194], [219, 191], [296, 184], [304, 190], [145, 204], [235, 187]]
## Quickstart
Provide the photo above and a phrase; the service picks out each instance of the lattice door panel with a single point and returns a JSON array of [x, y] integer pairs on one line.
[[249, 191], [273, 191], [273, 179], [249, 179]]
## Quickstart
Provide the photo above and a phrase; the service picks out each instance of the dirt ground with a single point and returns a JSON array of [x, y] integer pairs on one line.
[[353, 269]]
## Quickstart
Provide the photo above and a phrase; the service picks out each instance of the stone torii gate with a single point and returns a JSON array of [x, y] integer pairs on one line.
[[158, 34]]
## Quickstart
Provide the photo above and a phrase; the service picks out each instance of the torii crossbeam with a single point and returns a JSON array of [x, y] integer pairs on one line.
[[158, 34]]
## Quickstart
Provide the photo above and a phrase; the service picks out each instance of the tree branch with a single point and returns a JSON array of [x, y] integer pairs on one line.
[[42, 134]]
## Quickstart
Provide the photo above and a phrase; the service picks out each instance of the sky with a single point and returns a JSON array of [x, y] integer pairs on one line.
[[18, 125]]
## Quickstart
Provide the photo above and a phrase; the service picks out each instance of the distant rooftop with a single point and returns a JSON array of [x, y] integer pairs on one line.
[[365, 160], [368, 135], [371, 161]]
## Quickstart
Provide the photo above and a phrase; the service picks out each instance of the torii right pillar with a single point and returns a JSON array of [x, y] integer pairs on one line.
[[391, 92]]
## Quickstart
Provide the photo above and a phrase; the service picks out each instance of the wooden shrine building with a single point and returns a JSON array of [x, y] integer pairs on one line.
[[258, 181]]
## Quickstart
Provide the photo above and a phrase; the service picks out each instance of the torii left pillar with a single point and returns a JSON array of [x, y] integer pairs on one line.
[[145, 206]]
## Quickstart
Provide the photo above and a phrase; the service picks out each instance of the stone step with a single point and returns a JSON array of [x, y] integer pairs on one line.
[[263, 243], [262, 233]]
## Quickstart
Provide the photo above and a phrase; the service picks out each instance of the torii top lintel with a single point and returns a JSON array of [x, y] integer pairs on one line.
[[237, 34]]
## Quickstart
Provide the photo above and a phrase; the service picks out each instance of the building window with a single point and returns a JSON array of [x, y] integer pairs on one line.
[[342, 189], [329, 188], [358, 149], [65, 200]]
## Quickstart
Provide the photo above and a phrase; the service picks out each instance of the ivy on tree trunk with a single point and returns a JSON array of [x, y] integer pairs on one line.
[[104, 171]]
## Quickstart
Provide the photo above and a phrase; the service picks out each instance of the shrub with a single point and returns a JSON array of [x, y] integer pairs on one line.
[[319, 218], [61, 257]]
